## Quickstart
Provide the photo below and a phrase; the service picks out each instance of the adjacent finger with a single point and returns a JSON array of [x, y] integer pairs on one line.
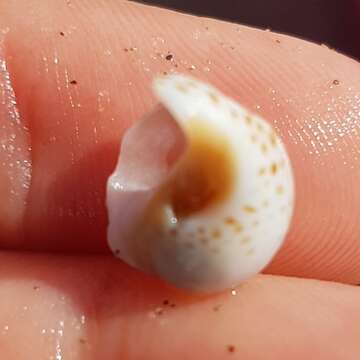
[[86, 79], [96, 308]]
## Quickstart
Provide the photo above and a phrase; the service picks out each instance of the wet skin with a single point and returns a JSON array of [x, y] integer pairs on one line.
[[79, 73]]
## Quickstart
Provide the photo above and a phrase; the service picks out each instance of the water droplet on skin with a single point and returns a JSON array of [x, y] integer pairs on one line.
[[4, 31], [5, 329], [196, 34]]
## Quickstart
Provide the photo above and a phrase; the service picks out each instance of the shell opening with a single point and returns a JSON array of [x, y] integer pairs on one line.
[[203, 175]]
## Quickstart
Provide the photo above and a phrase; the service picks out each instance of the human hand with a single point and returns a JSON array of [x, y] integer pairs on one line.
[[80, 73]]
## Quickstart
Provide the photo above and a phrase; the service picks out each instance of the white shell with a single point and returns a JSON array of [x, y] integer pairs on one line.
[[214, 214]]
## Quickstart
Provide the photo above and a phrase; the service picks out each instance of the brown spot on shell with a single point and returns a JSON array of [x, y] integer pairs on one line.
[[248, 119], [169, 57], [230, 220], [192, 84], [274, 168], [273, 139], [181, 88], [82, 341], [260, 127], [216, 233], [73, 82], [213, 97], [262, 171], [336, 82], [249, 209], [238, 228]]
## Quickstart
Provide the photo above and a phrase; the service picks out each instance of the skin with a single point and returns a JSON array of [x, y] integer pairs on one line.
[[62, 296]]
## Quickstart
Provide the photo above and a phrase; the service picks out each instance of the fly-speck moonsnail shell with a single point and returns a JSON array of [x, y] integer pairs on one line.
[[202, 194]]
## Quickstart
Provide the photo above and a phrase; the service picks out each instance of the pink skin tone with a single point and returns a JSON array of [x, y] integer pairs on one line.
[[92, 306]]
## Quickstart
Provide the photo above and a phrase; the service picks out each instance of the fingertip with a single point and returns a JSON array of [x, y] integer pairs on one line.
[[308, 92]]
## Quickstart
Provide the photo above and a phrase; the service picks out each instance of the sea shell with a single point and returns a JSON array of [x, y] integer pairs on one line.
[[203, 192]]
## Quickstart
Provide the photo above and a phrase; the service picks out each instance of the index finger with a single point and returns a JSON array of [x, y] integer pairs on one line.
[[83, 86]]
